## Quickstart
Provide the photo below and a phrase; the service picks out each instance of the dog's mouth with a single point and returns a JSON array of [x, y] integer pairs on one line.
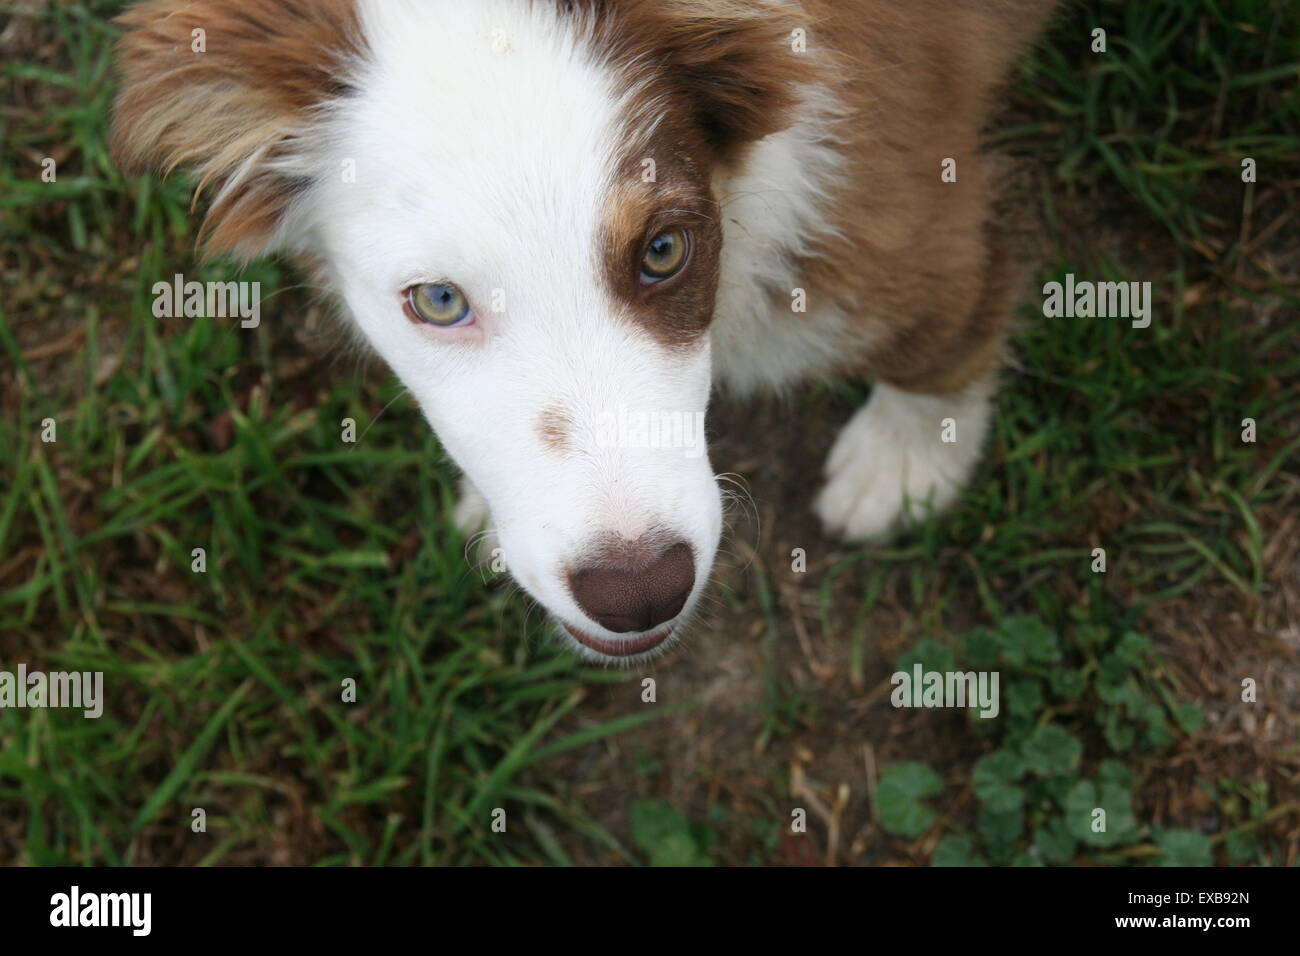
[[614, 647]]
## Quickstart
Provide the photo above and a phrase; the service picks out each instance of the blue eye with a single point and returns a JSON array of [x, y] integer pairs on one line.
[[438, 303]]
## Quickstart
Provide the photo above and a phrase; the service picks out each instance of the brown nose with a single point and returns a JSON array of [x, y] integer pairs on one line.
[[627, 592]]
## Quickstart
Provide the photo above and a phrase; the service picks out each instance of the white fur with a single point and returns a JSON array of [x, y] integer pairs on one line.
[[892, 457], [485, 137], [773, 211]]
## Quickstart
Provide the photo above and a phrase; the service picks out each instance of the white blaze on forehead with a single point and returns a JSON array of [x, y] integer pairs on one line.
[[485, 138], [484, 135]]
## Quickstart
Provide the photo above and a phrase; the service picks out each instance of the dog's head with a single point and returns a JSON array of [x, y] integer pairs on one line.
[[515, 200]]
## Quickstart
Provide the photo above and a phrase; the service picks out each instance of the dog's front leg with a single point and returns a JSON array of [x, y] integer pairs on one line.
[[900, 455], [914, 445]]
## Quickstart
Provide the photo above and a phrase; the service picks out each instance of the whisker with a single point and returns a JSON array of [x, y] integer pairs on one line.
[[386, 407]]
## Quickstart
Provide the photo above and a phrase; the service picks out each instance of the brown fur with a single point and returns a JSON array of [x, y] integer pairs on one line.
[[676, 310], [228, 111], [914, 253], [726, 65], [554, 427], [917, 258], [709, 78]]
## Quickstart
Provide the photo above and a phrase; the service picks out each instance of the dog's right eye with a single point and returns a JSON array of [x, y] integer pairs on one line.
[[437, 303]]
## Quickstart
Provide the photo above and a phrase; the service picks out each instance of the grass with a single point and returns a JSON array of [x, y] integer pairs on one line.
[[329, 562]]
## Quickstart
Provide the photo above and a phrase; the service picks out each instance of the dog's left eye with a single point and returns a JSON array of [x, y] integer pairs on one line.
[[438, 303], [665, 255]]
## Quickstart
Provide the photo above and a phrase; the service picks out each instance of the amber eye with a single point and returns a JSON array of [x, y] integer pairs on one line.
[[665, 255], [438, 303]]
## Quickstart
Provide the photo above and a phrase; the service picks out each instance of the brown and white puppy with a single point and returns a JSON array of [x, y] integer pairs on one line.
[[562, 221]]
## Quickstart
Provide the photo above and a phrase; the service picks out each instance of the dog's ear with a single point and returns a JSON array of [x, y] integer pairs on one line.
[[226, 89], [736, 62]]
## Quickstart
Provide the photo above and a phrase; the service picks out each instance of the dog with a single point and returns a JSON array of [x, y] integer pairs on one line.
[[553, 218]]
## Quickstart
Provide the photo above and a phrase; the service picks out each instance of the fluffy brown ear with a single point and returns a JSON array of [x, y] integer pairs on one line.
[[733, 60], [225, 88]]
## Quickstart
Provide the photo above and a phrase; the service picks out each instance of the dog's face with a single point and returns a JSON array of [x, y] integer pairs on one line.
[[522, 224]]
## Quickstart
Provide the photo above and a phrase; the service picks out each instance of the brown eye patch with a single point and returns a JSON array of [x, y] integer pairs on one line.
[[660, 249]]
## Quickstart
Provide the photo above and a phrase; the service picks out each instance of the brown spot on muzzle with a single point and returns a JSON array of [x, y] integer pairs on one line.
[[554, 428]]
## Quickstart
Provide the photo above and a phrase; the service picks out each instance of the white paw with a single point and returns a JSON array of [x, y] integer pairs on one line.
[[470, 517], [892, 456]]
